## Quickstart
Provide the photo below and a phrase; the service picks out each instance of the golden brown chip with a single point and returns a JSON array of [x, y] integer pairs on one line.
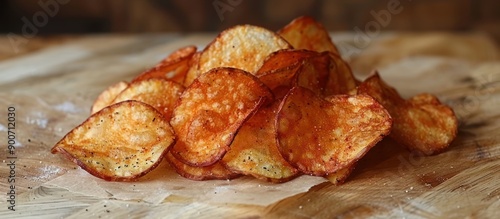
[[210, 112], [174, 67], [192, 72], [244, 47], [157, 92], [421, 123], [180, 54], [320, 137], [313, 73], [340, 79], [107, 96], [306, 33], [338, 177], [214, 171], [308, 69], [121, 142], [254, 150], [284, 58], [280, 82]]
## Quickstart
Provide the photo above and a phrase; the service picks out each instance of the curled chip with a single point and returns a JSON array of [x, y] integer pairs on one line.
[[254, 150], [320, 137], [210, 112], [121, 142], [340, 79], [174, 67], [421, 123], [192, 72], [157, 92], [339, 176], [244, 47], [284, 58], [214, 171], [306, 33], [280, 82], [285, 69], [180, 54], [107, 96]]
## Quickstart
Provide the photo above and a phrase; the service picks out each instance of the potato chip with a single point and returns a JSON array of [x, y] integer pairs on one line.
[[214, 171], [107, 96], [192, 72], [272, 105], [340, 79], [284, 58], [180, 54], [421, 123], [157, 92], [210, 112], [121, 142], [338, 177], [306, 33], [174, 67], [244, 47], [314, 73], [285, 69], [280, 82], [254, 150], [320, 137]]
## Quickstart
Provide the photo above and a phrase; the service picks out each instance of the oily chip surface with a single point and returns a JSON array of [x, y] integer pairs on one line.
[[210, 112], [122, 142], [320, 137]]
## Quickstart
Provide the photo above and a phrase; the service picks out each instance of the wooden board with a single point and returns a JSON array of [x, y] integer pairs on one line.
[[388, 182]]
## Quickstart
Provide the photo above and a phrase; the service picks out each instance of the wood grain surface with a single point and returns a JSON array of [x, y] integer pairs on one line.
[[389, 182]]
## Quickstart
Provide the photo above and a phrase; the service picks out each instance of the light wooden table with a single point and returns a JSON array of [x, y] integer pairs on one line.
[[50, 84]]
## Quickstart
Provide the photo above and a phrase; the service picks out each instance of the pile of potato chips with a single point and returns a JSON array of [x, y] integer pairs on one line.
[[273, 105]]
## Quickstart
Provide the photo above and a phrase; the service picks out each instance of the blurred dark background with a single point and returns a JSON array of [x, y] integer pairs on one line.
[[130, 16]]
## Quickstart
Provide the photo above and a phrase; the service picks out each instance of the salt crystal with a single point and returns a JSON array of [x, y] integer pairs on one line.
[[67, 107], [46, 172], [39, 119]]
